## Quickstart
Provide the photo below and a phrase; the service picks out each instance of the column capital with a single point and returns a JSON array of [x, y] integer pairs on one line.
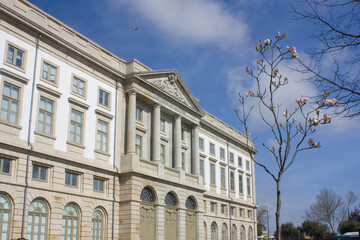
[[131, 91], [156, 104]]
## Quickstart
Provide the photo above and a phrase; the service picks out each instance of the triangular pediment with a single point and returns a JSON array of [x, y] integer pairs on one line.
[[170, 83]]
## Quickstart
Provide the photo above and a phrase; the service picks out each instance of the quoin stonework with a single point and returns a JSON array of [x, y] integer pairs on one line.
[[93, 146]]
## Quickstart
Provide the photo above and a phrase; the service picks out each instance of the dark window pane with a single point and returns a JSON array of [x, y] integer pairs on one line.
[[101, 186], [74, 180], [43, 173], [67, 178], [35, 172], [6, 166], [95, 186]]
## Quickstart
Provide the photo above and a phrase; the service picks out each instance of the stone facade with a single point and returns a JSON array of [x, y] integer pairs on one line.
[[93, 146]]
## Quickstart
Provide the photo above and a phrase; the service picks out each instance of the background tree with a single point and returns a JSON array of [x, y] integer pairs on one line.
[[338, 24], [330, 208], [289, 128], [352, 224], [290, 232], [315, 230]]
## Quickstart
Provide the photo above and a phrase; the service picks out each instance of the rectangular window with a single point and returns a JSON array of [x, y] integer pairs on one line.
[[248, 188], [212, 174], [241, 188], [104, 98], [223, 209], [201, 143], [247, 165], [222, 153], [232, 181], [249, 214], [5, 165], [202, 168], [240, 162], [138, 145], [222, 177], [138, 114], [232, 158], [162, 125], [71, 179], [78, 86], [241, 212], [49, 72], [102, 136], [39, 172], [98, 184], [233, 211], [212, 207], [76, 127], [46, 114], [15, 56], [162, 153], [10, 103], [212, 148]]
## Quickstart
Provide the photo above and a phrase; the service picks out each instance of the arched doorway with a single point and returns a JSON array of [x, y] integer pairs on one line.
[[5, 214], [242, 232], [233, 232], [191, 225], [214, 231], [37, 220], [171, 229], [224, 232], [147, 214]]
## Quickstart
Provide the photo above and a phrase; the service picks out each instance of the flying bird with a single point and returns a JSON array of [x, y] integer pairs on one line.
[[134, 28]]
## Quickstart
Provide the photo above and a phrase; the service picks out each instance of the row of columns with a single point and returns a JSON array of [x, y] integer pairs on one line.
[[131, 132]]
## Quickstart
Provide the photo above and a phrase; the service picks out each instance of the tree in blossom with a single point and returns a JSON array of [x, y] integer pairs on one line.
[[290, 128]]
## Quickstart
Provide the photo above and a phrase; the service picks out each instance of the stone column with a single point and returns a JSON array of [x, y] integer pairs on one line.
[[196, 150], [160, 222], [131, 126], [177, 142], [156, 133]]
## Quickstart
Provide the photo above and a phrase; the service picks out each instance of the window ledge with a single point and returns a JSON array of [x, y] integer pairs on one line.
[[75, 144], [103, 153], [45, 135], [10, 124]]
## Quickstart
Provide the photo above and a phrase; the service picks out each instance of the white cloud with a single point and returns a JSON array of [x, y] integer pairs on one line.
[[191, 21]]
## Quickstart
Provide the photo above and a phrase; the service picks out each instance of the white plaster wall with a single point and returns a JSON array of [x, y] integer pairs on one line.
[[65, 72]]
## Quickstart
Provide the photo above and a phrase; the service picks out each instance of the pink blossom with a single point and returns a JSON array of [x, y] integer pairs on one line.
[[290, 49], [304, 100], [295, 54], [260, 44], [267, 42], [286, 113], [313, 144], [250, 93], [326, 119], [298, 101], [332, 102], [276, 72]]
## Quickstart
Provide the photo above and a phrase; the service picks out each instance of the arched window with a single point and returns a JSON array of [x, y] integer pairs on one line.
[[190, 203], [170, 200], [213, 231], [5, 213], [242, 232], [147, 195], [97, 223], [250, 234], [37, 220], [224, 232], [70, 223], [233, 232]]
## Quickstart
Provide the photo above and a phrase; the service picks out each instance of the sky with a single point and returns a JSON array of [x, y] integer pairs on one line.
[[210, 42]]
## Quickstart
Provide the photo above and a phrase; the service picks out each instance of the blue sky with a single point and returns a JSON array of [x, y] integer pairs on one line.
[[209, 42]]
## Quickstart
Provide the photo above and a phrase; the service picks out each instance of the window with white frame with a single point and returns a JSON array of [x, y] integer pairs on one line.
[[10, 103], [104, 98], [162, 153], [232, 181], [222, 177], [212, 148], [222, 153], [240, 162], [97, 226], [241, 187], [201, 143], [49, 72], [247, 165], [102, 136], [78, 86], [248, 186], [202, 167], [232, 158], [70, 223], [212, 174], [76, 127], [138, 145], [15, 56], [5, 219], [46, 116]]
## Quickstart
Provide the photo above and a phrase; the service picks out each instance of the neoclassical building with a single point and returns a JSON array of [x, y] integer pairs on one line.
[[93, 146]]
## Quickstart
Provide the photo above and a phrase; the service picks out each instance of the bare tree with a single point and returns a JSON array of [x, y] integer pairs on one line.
[[337, 24], [289, 128], [330, 208]]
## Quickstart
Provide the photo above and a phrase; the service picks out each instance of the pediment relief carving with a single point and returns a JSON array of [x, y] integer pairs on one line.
[[169, 85]]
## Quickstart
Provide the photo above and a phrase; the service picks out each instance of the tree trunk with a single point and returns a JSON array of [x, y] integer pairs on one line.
[[277, 213]]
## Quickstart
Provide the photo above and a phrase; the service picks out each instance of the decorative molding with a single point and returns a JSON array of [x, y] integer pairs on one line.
[[169, 85], [14, 76], [78, 103], [48, 90]]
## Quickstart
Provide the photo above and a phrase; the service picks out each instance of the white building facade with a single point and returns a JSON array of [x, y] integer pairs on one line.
[[93, 146]]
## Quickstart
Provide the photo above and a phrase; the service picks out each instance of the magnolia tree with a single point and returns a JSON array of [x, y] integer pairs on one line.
[[291, 129]]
